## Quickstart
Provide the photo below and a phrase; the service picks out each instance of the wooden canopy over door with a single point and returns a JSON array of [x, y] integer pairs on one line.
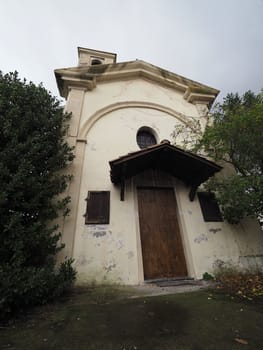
[[162, 250], [193, 170]]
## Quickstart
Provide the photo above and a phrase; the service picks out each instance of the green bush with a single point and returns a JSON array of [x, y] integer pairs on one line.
[[34, 155], [208, 277], [21, 288]]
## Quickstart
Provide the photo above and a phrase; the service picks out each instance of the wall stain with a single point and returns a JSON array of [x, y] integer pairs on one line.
[[201, 238], [98, 234], [109, 268], [130, 254], [92, 146], [215, 230], [83, 261], [119, 244]]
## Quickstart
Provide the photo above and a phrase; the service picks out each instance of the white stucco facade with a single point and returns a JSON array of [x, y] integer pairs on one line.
[[108, 108]]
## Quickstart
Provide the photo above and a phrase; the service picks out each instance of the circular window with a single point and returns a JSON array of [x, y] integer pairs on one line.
[[145, 138]]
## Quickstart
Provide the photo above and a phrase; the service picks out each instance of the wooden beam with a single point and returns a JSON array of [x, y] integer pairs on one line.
[[123, 172], [122, 189], [192, 192]]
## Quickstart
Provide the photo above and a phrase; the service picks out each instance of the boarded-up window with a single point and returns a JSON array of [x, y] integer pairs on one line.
[[209, 206], [98, 207]]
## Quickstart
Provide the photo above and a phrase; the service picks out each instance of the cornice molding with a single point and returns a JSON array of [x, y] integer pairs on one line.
[[89, 77]]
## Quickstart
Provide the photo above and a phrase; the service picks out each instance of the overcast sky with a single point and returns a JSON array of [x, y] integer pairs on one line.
[[215, 42]]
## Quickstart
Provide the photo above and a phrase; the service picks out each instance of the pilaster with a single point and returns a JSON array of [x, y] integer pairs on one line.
[[202, 110], [74, 106]]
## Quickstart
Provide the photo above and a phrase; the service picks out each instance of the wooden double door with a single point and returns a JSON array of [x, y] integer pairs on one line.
[[162, 249]]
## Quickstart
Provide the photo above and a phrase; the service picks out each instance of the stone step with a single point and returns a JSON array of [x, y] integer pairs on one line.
[[169, 282], [181, 282]]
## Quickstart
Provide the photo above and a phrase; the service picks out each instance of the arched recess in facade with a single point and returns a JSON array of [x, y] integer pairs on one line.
[[74, 187], [130, 104]]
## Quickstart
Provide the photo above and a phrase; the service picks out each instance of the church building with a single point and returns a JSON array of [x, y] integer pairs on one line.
[[138, 208]]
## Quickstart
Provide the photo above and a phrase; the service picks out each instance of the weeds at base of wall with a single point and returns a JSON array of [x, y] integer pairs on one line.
[[243, 284], [208, 276]]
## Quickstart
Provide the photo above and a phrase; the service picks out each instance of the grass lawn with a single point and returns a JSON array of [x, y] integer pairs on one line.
[[107, 318]]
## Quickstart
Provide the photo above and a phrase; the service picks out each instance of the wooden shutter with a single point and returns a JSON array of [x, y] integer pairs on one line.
[[98, 207], [209, 206]]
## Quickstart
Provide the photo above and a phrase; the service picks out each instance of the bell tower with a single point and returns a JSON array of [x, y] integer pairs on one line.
[[89, 57]]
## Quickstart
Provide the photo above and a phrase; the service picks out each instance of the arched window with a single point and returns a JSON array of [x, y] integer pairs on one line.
[[145, 138], [95, 61]]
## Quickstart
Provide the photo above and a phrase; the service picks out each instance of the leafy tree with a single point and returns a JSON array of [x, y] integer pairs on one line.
[[33, 153], [234, 137]]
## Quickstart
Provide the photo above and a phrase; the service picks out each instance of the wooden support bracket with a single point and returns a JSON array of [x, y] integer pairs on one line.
[[192, 192], [122, 189]]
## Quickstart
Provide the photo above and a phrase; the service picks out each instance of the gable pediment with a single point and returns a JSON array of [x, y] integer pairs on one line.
[[89, 76]]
